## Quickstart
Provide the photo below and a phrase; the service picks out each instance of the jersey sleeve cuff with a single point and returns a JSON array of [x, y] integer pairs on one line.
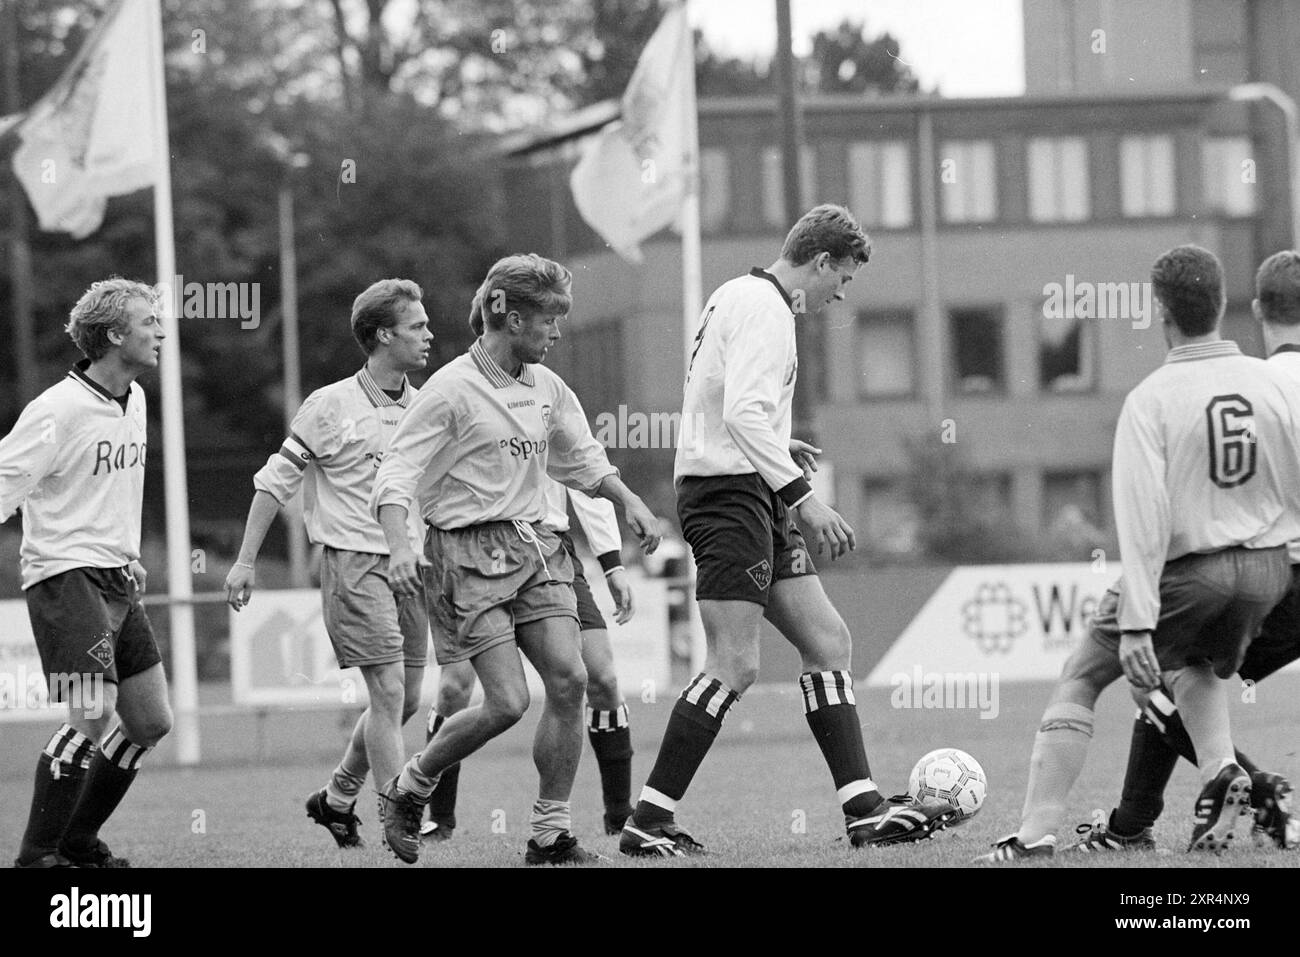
[[795, 492], [610, 561]]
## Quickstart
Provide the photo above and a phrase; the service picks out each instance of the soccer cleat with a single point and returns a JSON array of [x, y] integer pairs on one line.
[[342, 826], [666, 839], [1271, 797], [98, 856], [900, 820], [53, 859], [565, 850], [1218, 807], [614, 820], [436, 831], [1011, 848], [1102, 838], [399, 820]]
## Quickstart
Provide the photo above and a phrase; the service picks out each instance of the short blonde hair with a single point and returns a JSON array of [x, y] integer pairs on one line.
[[379, 306], [526, 283], [101, 310]]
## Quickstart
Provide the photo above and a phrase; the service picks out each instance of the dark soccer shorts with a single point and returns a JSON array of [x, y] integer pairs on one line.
[[89, 621], [1278, 641], [589, 616], [742, 535]]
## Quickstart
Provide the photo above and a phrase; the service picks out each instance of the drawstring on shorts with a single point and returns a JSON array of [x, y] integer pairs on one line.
[[527, 534]]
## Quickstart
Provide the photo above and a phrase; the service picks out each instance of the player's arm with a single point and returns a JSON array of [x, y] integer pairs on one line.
[[577, 460], [314, 435], [1142, 522], [752, 386], [27, 454], [422, 444], [600, 524]]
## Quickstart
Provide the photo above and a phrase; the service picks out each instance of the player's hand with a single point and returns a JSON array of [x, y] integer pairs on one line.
[[1137, 655], [823, 525], [404, 573], [140, 575], [621, 592], [644, 525], [239, 586], [805, 456]]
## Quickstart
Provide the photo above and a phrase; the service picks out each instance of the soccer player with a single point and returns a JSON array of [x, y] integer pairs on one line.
[[1206, 473], [1159, 736], [607, 722], [740, 482], [473, 457], [74, 463], [335, 444]]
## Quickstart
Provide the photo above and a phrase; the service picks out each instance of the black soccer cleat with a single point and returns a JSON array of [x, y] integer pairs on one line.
[[1100, 838], [665, 839], [96, 856], [1218, 808], [565, 850], [615, 819], [900, 820], [342, 826], [1270, 796], [399, 820], [52, 860]]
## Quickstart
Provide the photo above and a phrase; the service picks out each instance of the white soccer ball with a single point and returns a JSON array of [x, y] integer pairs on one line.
[[952, 777]]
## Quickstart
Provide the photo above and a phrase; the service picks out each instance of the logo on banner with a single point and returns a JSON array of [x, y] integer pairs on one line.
[[994, 618]]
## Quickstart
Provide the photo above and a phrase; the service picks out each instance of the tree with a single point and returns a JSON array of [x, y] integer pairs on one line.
[[845, 61]]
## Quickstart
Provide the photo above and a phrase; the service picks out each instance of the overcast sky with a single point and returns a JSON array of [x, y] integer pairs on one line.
[[967, 47]]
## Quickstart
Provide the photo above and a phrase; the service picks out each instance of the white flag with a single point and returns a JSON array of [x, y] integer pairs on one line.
[[633, 175], [92, 135]]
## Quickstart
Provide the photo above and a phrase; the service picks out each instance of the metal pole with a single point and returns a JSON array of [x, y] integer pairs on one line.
[[930, 338], [20, 253], [1255, 92], [292, 376]]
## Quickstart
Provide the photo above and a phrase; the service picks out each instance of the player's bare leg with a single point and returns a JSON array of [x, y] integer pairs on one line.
[[554, 648], [607, 728], [455, 687], [145, 719]]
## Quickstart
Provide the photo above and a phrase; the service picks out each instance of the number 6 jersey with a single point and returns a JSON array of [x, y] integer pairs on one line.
[[1207, 457]]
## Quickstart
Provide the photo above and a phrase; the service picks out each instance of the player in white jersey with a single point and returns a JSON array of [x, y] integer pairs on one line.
[[740, 480], [474, 456], [74, 463], [1159, 737], [1206, 479], [608, 729], [335, 445]]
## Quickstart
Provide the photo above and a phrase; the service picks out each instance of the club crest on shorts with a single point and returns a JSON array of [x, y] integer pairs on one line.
[[761, 574], [102, 652]]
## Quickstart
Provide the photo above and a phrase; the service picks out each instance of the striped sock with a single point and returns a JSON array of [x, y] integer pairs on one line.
[[1060, 748], [343, 787], [60, 772], [611, 739], [108, 778], [696, 719], [832, 715]]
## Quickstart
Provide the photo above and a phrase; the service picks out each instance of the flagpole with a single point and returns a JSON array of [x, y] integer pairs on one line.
[[692, 278], [184, 673]]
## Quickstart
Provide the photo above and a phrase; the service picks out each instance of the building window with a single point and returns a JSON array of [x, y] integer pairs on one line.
[[886, 355], [1058, 179], [1230, 175], [1066, 354], [890, 518], [1146, 170], [715, 188], [880, 184], [977, 350], [774, 185], [968, 181], [1072, 504]]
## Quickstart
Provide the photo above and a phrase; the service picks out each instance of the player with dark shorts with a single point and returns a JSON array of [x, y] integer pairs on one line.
[[740, 481], [75, 463], [1159, 737]]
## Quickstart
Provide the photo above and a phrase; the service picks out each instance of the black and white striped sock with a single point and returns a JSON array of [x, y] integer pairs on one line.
[[832, 714]]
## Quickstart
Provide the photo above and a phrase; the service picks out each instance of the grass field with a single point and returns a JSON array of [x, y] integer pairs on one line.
[[762, 799]]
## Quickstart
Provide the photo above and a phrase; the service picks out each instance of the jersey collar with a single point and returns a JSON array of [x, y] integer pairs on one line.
[[1203, 350], [764, 274], [377, 396], [498, 376], [78, 374], [1285, 347]]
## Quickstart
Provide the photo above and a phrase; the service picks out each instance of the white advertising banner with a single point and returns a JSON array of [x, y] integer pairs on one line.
[[23, 692]]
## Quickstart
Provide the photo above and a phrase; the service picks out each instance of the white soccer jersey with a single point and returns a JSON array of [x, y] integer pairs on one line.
[[596, 516], [740, 387], [1286, 360], [1207, 457], [477, 446], [333, 450], [74, 463]]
